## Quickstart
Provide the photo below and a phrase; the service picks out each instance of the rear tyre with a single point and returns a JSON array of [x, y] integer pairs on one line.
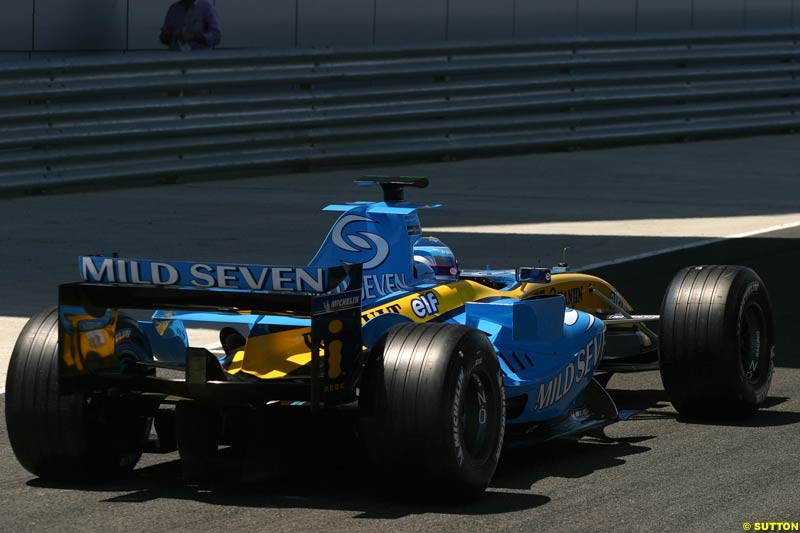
[[438, 410], [716, 342], [69, 437]]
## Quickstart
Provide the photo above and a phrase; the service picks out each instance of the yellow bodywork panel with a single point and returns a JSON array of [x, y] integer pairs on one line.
[[575, 289], [273, 355], [85, 351]]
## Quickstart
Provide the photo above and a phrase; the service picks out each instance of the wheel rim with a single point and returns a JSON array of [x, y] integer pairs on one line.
[[753, 344], [478, 416]]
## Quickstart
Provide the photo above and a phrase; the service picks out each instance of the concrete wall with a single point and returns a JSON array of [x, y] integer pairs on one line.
[[62, 26]]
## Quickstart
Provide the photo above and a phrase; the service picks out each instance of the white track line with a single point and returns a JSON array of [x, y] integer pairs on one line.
[[704, 242], [2, 391], [693, 227]]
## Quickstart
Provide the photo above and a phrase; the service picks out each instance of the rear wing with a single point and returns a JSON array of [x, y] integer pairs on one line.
[[88, 313], [193, 275]]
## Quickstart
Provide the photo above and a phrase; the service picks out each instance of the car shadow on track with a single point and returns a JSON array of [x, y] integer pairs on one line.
[[348, 483], [335, 475], [765, 417], [352, 486], [651, 404], [565, 458]]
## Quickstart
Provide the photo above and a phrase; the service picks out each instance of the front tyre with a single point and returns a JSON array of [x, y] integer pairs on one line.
[[438, 410], [716, 341]]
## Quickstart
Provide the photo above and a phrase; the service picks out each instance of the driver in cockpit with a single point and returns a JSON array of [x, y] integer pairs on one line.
[[434, 261]]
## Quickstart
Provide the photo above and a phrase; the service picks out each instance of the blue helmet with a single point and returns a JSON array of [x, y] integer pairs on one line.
[[431, 253]]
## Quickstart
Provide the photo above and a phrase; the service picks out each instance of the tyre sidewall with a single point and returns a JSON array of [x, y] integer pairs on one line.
[[746, 290], [472, 356]]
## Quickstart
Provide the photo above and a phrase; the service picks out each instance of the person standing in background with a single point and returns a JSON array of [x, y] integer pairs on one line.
[[191, 25]]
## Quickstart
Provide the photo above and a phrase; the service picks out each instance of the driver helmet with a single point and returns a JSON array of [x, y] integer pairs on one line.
[[431, 254]]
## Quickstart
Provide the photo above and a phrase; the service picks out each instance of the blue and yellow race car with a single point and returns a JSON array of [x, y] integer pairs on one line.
[[441, 367]]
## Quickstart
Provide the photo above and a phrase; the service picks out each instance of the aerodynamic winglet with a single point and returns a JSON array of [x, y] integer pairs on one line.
[[393, 185]]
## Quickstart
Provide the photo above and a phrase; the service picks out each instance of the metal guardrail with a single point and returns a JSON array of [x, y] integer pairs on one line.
[[169, 116]]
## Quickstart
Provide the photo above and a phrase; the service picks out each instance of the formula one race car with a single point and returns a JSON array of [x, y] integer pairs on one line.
[[442, 368]]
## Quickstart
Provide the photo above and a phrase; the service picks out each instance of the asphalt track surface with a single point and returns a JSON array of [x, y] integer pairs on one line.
[[653, 473]]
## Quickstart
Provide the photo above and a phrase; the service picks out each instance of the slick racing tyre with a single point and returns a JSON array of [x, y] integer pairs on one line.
[[716, 342], [69, 437], [438, 410]]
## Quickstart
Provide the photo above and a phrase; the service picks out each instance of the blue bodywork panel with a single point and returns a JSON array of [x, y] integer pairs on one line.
[[546, 351]]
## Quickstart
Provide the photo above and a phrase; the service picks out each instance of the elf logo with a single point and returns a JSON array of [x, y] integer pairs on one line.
[[426, 305]]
